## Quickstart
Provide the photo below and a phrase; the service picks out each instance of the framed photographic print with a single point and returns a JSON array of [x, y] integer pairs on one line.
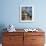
[[26, 13]]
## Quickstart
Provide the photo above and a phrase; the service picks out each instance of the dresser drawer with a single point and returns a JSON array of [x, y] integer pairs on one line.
[[37, 39], [34, 33], [8, 45], [37, 44], [12, 39], [20, 44], [13, 33]]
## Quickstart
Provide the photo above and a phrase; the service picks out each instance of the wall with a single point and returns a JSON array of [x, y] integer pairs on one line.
[[10, 13]]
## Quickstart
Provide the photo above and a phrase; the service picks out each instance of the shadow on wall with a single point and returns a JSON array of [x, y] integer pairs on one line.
[[2, 26]]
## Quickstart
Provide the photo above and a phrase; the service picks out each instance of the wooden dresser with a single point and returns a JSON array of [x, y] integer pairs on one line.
[[23, 39]]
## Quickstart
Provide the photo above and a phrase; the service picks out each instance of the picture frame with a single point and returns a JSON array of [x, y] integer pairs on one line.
[[26, 13]]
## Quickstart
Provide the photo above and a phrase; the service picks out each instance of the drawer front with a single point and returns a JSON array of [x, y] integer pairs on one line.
[[12, 45], [37, 39], [12, 39], [13, 33], [37, 45], [34, 33]]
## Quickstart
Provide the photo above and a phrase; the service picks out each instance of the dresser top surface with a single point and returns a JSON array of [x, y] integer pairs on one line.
[[22, 30]]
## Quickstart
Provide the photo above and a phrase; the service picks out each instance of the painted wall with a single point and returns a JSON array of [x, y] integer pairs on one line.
[[10, 12]]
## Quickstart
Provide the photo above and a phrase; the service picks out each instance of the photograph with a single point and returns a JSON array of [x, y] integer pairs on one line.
[[26, 13]]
